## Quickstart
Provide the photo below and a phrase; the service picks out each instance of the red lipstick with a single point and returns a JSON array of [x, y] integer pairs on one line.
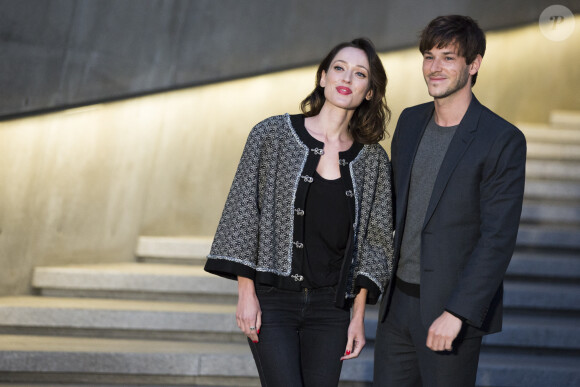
[[344, 90]]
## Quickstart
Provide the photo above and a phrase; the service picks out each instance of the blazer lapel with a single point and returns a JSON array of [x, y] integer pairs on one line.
[[409, 143], [459, 144]]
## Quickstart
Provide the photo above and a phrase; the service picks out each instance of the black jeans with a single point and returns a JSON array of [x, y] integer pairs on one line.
[[302, 338]]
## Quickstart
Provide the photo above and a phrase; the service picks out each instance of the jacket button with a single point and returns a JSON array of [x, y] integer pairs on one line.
[[297, 277], [298, 245]]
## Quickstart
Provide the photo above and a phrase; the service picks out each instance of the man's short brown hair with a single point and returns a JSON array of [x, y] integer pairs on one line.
[[459, 30]]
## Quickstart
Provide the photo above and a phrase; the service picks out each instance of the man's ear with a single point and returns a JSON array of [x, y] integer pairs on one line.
[[475, 65]]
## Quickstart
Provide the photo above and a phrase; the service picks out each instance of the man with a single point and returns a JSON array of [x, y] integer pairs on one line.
[[459, 183]]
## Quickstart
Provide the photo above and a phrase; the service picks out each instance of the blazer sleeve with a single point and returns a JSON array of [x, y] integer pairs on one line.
[[235, 246], [501, 197], [376, 251]]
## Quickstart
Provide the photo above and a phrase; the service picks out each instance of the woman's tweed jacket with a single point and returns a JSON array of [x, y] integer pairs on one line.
[[255, 236]]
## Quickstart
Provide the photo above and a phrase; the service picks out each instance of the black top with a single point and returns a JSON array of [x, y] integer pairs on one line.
[[326, 231]]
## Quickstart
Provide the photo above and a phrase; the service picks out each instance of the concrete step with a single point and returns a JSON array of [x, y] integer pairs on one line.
[[74, 385], [550, 213], [111, 318], [68, 385], [180, 250], [527, 370], [540, 296], [135, 281], [44, 359], [565, 119], [126, 362], [195, 322], [544, 190], [163, 282], [542, 133], [545, 332], [535, 264], [553, 170], [548, 237], [189, 283], [118, 318], [548, 151]]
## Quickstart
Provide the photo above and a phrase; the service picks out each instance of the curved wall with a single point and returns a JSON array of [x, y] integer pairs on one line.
[[79, 186], [63, 53]]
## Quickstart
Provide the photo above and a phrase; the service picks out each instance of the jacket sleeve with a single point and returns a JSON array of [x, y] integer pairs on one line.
[[376, 250], [501, 196], [235, 245]]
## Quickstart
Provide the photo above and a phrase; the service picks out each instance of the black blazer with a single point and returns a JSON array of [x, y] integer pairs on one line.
[[472, 219]]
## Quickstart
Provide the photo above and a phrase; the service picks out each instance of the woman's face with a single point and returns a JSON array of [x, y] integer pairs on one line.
[[347, 81]]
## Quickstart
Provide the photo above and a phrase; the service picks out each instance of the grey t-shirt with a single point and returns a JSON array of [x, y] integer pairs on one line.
[[430, 154]]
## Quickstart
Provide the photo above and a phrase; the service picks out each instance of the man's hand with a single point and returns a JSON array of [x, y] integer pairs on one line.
[[443, 331]]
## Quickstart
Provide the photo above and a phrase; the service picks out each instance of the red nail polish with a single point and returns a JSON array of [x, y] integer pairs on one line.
[[258, 331], [348, 352], [255, 342]]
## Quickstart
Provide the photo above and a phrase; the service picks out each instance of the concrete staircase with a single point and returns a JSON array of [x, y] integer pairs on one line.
[[162, 321]]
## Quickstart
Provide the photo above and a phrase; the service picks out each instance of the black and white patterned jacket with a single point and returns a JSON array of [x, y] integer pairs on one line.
[[260, 232]]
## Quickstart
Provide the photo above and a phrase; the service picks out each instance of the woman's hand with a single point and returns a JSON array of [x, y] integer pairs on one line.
[[248, 312], [356, 328]]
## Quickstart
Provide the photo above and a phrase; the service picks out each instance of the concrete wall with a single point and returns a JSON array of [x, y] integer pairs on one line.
[[523, 77], [62, 53], [81, 185], [73, 187]]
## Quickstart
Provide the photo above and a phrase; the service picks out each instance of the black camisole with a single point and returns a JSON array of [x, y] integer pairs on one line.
[[327, 227]]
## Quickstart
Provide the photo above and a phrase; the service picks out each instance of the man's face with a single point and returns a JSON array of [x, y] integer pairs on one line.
[[445, 72]]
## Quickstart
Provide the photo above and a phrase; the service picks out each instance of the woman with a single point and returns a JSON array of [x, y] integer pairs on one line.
[[307, 226]]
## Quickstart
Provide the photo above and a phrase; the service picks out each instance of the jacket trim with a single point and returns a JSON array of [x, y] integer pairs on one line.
[[372, 278], [355, 189], [232, 259], [290, 255]]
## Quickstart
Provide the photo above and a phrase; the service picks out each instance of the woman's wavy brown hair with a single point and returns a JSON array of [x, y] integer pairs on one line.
[[369, 121]]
